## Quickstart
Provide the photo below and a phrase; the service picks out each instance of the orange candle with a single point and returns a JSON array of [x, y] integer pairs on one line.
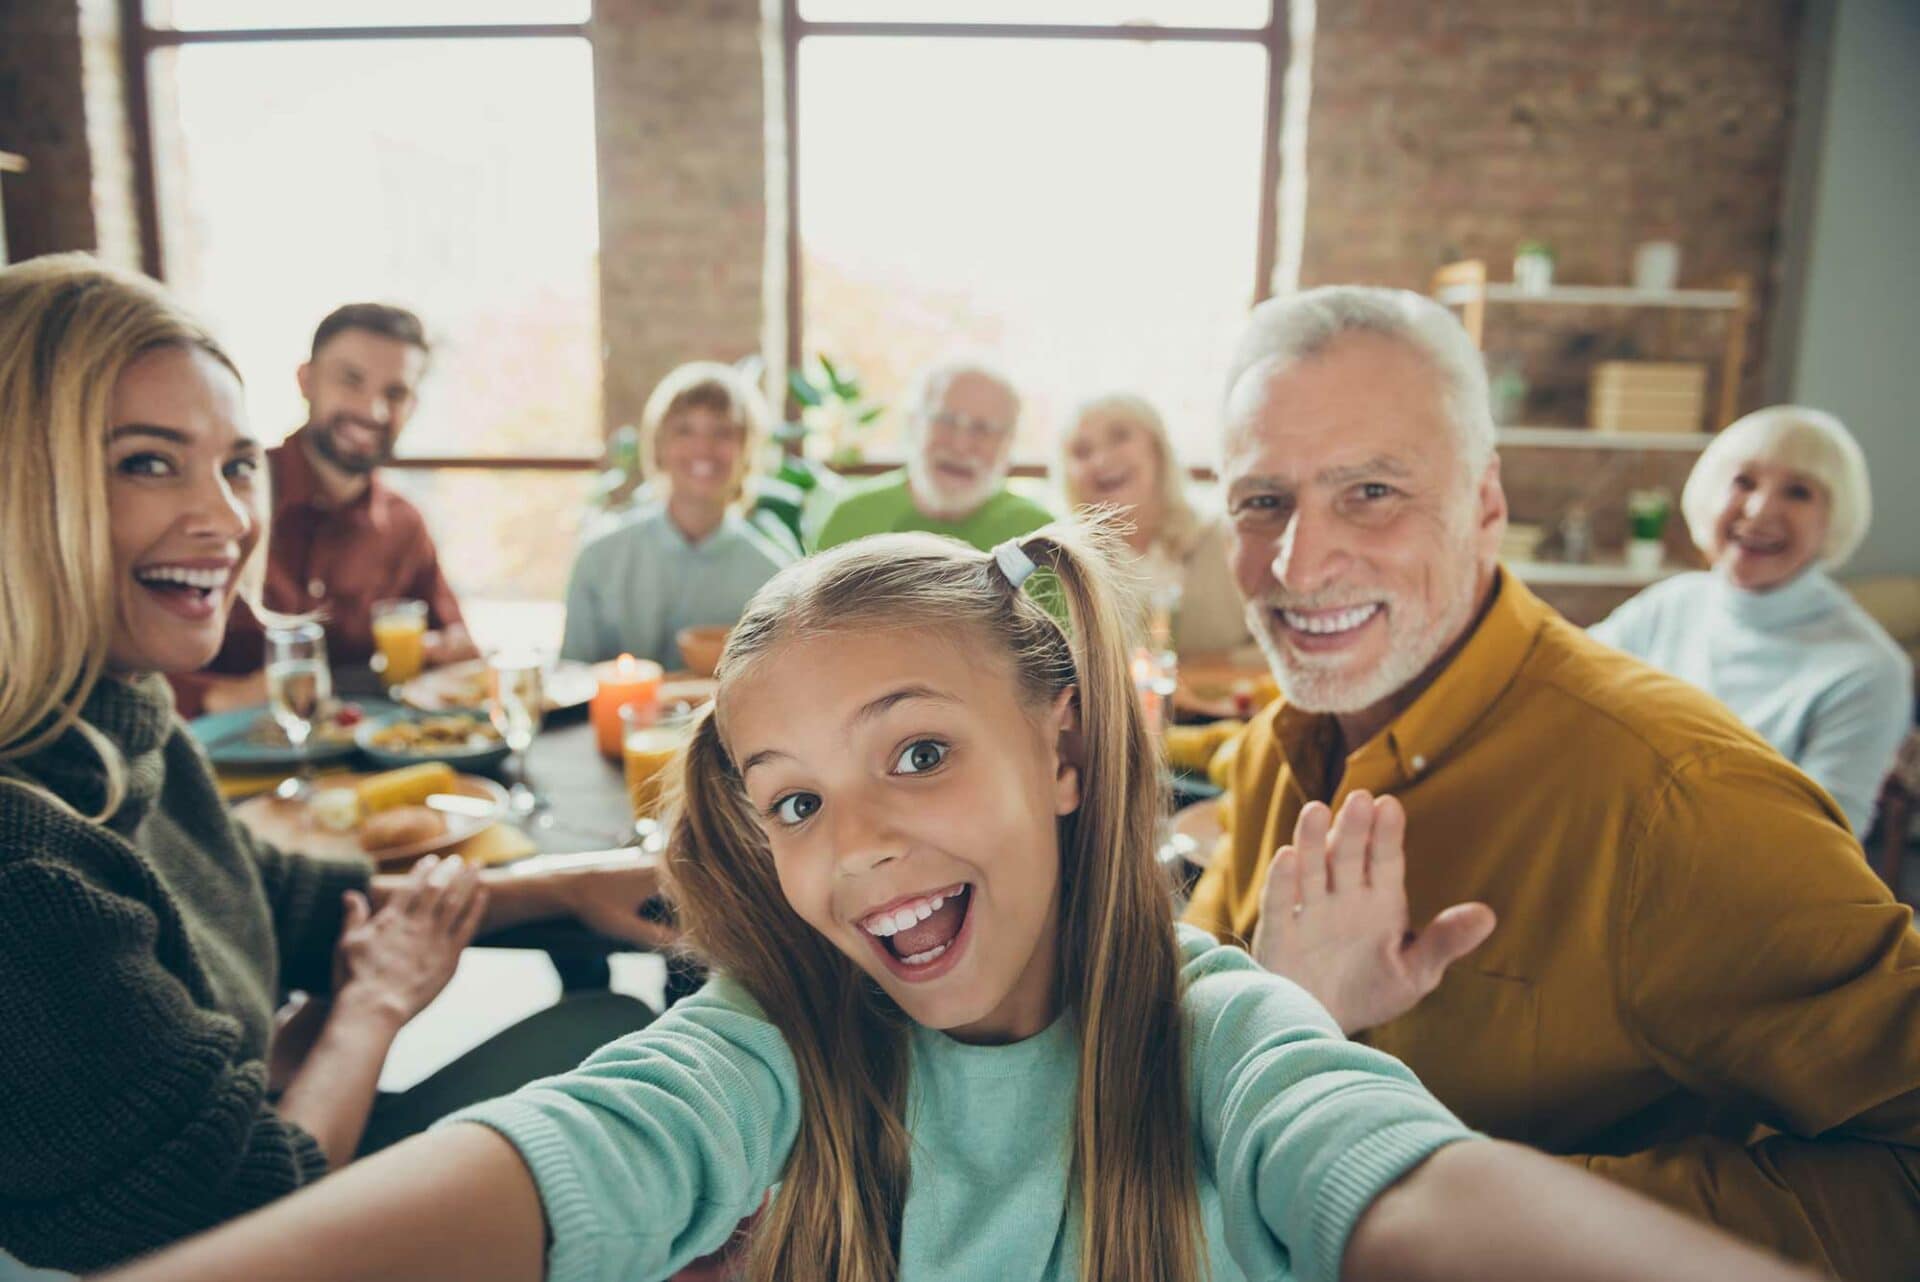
[[627, 682]]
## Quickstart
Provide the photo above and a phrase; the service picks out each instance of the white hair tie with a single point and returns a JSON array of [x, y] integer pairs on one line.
[[1014, 563]]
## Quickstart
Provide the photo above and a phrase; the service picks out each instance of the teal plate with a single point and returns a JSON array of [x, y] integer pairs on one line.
[[227, 738], [483, 757]]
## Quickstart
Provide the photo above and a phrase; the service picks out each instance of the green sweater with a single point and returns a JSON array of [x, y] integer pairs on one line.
[[140, 963], [649, 1154], [884, 505]]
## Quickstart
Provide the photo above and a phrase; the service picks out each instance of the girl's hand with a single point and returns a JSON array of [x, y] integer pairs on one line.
[[1333, 916], [398, 959]]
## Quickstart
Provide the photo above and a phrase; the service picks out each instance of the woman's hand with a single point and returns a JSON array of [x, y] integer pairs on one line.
[[1333, 915], [398, 959]]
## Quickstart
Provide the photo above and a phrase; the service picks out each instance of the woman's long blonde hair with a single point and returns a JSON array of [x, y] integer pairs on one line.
[[68, 328], [837, 1215], [1180, 522]]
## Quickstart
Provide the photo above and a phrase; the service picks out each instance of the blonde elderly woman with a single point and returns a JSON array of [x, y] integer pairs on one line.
[[687, 556], [1776, 502], [1116, 453], [145, 937]]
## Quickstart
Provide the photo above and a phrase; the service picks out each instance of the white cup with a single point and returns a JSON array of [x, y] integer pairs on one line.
[[1656, 266]]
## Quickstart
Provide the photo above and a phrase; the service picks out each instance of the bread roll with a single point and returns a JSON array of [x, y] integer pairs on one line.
[[400, 826]]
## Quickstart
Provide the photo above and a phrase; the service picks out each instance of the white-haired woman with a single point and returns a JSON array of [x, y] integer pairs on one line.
[[145, 937], [1116, 453], [688, 555], [1778, 500]]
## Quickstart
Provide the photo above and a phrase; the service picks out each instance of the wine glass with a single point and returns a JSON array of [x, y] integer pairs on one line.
[[299, 685], [516, 704]]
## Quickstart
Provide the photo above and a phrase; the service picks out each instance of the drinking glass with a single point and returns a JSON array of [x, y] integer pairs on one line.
[[299, 685], [400, 637], [649, 745], [516, 704]]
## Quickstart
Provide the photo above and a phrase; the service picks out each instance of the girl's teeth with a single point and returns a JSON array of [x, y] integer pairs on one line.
[[900, 919], [921, 959]]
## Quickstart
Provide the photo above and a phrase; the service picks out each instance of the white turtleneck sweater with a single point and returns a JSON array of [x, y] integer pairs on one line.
[[1802, 664]]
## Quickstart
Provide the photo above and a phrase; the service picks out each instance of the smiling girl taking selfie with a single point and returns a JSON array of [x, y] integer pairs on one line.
[[955, 1031]]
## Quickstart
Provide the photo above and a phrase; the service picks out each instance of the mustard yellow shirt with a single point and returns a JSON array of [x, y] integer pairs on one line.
[[1697, 984]]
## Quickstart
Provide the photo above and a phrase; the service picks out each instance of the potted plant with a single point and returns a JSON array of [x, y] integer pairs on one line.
[[1533, 267], [830, 430], [1647, 512]]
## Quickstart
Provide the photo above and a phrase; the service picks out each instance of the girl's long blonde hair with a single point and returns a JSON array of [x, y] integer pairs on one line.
[[68, 328], [837, 1215]]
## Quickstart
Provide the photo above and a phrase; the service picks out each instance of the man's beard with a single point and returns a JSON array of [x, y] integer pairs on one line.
[[355, 464], [947, 502], [1416, 637]]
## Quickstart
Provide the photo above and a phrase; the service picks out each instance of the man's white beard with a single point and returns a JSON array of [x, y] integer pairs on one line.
[[938, 499], [1325, 683]]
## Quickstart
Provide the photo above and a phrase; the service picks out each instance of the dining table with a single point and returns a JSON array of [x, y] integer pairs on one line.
[[585, 806]]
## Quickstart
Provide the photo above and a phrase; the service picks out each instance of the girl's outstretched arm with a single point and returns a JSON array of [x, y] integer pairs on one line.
[[1492, 1211], [454, 1203]]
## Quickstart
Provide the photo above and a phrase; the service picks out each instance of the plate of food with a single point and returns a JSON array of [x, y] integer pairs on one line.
[[463, 687], [387, 817], [462, 739], [1225, 690], [250, 737]]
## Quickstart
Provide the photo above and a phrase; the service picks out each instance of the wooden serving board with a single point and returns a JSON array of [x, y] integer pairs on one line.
[[291, 826]]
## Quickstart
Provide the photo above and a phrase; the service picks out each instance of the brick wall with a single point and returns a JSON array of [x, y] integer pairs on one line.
[[1460, 129], [683, 204], [42, 117]]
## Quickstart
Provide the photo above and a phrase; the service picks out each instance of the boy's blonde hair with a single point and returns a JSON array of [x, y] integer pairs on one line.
[[720, 388], [836, 1217]]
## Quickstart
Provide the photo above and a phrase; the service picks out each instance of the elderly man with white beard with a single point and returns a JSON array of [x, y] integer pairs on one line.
[[1644, 940], [959, 447]]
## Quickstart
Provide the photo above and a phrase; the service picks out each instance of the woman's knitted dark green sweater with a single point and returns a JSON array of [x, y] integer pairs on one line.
[[140, 963]]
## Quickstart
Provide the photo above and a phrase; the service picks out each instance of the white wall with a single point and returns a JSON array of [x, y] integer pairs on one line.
[[1859, 334]]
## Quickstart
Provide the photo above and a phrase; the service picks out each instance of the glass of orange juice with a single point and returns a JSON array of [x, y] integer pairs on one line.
[[647, 748], [400, 639]]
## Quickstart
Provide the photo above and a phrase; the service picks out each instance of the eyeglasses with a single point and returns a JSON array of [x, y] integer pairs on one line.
[[977, 429]]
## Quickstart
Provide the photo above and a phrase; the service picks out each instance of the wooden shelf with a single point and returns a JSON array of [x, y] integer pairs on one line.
[[1585, 438], [1604, 573], [1464, 284], [1724, 300]]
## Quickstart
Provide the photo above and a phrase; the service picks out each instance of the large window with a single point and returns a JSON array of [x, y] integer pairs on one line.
[[1078, 188], [332, 156]]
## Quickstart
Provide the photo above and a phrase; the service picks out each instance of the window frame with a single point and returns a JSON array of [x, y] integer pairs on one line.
[[1274, 38], [141, 40]]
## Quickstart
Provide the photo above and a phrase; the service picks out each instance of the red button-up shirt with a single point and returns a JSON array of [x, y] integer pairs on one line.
[[337, 559]]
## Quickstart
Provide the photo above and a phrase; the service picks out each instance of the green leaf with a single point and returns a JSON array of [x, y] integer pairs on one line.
[[868, 416], [845, 386], [803, 391]]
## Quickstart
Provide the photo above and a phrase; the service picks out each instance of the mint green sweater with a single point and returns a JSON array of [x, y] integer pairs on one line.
[[651, 1152]]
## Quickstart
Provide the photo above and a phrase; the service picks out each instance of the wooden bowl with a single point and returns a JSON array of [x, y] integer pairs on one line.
[[700, 648]]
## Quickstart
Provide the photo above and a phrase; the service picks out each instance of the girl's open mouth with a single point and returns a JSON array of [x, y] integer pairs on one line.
[[931, 945]]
